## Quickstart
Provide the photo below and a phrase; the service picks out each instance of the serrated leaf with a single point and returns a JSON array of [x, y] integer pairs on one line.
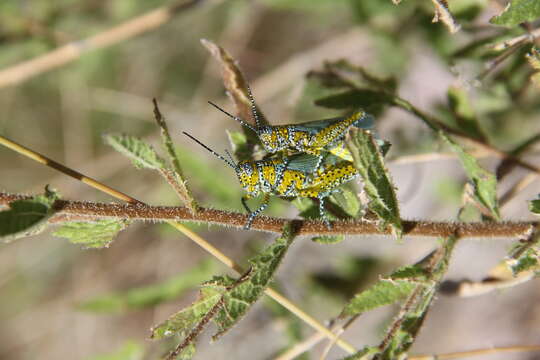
[[384, 292], [140, 153], [517, 12], [186, 319], [27, 217], [484, 182], [327, 240], [238, 300], [130, 350], [224, 299], [377, 183], [405, 328], [152, 295], [98, 234], [534, 206], [387, 291]]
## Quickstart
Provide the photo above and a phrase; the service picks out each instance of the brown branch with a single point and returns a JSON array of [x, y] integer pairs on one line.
[[84, 210], [75, 49]]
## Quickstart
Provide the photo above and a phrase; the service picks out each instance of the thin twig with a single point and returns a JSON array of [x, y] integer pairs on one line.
[[183, 229], [517, 188], [178, 175], [86, 210], [65, 170], [463, 354], [73, 50]]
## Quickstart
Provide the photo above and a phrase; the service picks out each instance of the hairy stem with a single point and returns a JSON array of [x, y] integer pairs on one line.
[[84, 210]]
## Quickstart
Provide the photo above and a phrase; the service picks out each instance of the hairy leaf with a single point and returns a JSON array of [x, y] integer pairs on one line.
[[386, 291], [238, 300], [224, 299], [377, 183], [152, 295], [347, 200], [130, 350], [141, 154], [483, 181], [406, 326], [183, 321], [98, 234], [517, 12], [27, 217]]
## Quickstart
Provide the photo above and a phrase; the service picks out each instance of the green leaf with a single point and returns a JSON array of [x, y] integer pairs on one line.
[[98, 234], [130, 350], [517, 12], [384, 292], [387, 291], [152, 295], [327, 240], [377, 183], [347, 200], [141, 154], [483, 181], [186, 319], [27, 217], [534, 206], [234, 297], [238, 300], [405, 328], [363, 98], [462, 109]]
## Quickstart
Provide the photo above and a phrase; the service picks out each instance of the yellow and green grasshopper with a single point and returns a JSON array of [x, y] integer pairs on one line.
[[314, 137], [289, 176]]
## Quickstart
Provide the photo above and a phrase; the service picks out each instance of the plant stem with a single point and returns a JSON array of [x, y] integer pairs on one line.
[[85, 210]]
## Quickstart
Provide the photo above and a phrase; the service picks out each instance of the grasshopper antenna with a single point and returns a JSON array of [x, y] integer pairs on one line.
[[234, 117], [230, 157], [231, 164], [253, 106]]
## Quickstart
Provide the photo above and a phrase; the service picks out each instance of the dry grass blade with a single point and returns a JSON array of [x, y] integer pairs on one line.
[[73, 50], [443, 13], [190, 234], [235, 83]]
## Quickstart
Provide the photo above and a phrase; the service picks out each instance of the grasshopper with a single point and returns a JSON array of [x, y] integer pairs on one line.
[[291, 176], [310, 137]]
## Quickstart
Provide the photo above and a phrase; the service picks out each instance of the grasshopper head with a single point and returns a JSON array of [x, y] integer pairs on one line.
[[248, 175], [269, 139]]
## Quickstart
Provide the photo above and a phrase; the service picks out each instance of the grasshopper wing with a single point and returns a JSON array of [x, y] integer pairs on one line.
[[303, 162]]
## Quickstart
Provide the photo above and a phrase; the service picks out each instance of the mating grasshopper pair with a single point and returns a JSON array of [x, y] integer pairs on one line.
[[301, 174]]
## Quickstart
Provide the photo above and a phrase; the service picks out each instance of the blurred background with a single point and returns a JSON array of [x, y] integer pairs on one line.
[[47, 284]]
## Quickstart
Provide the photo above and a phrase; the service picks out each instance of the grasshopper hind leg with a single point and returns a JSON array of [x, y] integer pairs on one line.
[[322, 211], [253, 214]]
